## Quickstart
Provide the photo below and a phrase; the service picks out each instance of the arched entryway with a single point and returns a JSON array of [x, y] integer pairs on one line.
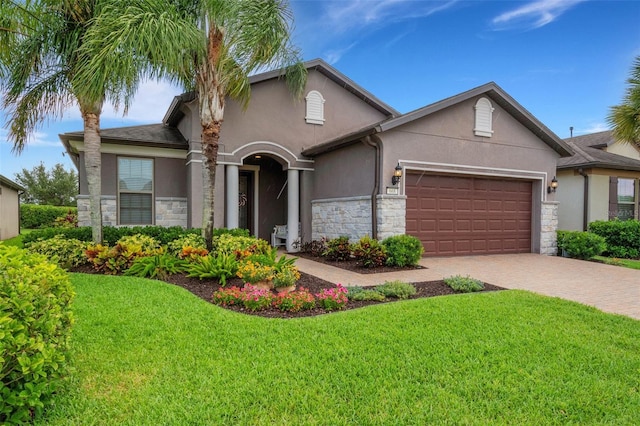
[[262, 188]]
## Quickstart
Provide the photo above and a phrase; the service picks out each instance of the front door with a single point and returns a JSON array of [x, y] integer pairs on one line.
[[245, 215]]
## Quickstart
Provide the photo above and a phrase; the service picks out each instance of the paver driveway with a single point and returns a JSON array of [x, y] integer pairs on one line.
[[609, 288]]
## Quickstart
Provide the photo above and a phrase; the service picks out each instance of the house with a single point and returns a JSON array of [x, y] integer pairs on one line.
[[466, 175], [9, 208], [599, 182]]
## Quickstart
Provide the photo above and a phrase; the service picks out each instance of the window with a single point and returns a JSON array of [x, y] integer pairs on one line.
[[135, 191], [484, 118], [315, 108], [626, 198]]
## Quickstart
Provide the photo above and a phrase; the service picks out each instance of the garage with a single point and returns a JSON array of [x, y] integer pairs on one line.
[[461, 215]]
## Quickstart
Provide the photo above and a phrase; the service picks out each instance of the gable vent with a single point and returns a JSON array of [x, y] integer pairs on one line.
[[315, 108], [484, 118]]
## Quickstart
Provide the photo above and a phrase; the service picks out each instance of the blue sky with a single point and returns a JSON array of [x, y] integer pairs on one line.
[[566, 61]]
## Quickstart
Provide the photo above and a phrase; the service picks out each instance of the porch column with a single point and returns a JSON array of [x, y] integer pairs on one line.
[[293, 209], [233, 198]]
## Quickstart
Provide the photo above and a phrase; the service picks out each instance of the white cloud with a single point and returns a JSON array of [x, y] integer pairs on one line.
[[341, 16], [593, 128], [334, 55], [148, 106], [36, 139], [533, 15]]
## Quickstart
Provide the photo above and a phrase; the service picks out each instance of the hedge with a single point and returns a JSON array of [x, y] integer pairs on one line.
[[581, 245], [34, 216], [36, 319], [111, 234], [622, 237]]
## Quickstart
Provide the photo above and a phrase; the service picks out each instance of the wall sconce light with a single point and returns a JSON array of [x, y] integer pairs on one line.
[[397, 174], [554, 184]]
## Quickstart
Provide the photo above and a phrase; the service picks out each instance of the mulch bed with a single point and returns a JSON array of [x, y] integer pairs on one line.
[[205, 288], [354, 266]]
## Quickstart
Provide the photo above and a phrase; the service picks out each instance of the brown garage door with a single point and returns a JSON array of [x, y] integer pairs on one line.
[[467, 215]]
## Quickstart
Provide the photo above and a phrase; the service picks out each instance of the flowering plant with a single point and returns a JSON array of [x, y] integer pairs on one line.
[[334, 298], [253, 272], [228, 296], [286, 277], [295, 301], [256, 299]]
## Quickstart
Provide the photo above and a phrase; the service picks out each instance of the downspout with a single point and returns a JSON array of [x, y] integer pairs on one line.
[[585, 197], [374, 143]]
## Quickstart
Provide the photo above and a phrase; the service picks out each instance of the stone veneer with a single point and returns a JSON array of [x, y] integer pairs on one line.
[[548, 228], [334, 217], [351, 216], [169, 211], [392, 211]]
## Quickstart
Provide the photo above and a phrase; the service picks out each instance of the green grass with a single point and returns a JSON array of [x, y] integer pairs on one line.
[[627, 263], [17, 240], [148, 353]]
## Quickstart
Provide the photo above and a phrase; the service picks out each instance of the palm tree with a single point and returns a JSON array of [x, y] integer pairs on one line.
[[45, 68], [237, 38], [625, 118]]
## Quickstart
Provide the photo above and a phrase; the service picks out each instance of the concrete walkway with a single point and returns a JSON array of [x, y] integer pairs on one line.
[[609, 288]]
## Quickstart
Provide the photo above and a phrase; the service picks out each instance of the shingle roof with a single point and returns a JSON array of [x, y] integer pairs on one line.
[[589, 153], [150, 134]]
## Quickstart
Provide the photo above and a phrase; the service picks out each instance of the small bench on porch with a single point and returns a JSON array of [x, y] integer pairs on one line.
[[279, 235]]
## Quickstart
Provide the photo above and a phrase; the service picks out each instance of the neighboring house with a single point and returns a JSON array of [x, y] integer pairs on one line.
[[599, 182], [474, 168], [9, 208]]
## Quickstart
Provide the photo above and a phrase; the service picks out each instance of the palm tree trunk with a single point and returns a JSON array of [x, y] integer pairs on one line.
[[210, 138], [93, 167]]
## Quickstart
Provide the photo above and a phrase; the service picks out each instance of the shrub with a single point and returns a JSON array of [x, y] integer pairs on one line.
[[315, 248], [295, 301], [398, 289], [177, 246], [338, 249], [464, 284], [36, 325], [581, 245], [622, 237], [403, 250], [69, 220], [82, 233], [220, 267], [240, 246], [333, 298], [67, 252], [121, 256], [369, 252], [235, 232], [368, 294], [112, 234], [158, 266], [352, 291], [40, 216]]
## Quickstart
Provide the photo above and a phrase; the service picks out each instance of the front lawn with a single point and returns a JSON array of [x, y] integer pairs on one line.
[[627, 263], [148, 353]]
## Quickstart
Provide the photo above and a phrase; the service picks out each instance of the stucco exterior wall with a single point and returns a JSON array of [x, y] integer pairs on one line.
[[598, 198], [345, 173], [624, 149], [447, 137], [570, 194], [9, 212], [273, 115]]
